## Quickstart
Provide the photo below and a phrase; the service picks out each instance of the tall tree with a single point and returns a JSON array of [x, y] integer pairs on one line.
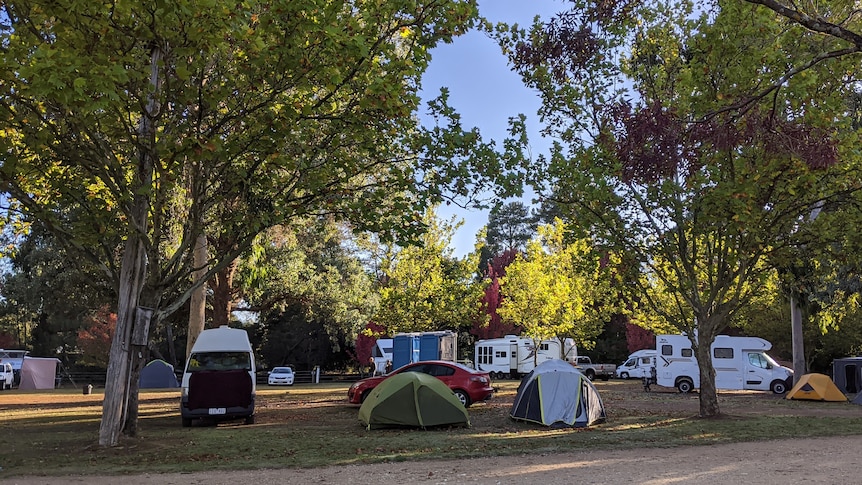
[[425, 288], [491, 325], [559, 288], [675, 155], [152, 118]]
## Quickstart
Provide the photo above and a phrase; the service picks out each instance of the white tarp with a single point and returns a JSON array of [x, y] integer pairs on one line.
[[38, 373]]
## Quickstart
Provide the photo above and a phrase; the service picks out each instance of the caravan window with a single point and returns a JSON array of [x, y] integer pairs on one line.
[[501, 354], [544, 346], [667, 350], [484, 355], [722, 353], [687, 353], [646, 360]]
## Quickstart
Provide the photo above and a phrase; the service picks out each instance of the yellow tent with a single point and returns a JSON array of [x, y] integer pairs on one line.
[[816, 387]]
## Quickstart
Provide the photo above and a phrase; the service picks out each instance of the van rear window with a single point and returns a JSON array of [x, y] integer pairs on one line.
[[205, 361]]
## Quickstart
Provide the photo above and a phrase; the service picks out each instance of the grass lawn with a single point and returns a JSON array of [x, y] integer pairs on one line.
[[55, 432]]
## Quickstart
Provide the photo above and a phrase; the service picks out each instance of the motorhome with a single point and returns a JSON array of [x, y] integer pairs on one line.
[[639, 364], [739, 363], [514, 356], [219, 378]]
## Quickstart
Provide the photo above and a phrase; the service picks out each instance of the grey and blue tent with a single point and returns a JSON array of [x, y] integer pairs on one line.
[[158, 374], [557, 394]]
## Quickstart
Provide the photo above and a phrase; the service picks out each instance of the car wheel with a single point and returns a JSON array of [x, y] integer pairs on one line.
[[685, 386], [591, 374], [463, 397], [249, 419], [624, 375], [187, 422], [364, 396], [779, 387]]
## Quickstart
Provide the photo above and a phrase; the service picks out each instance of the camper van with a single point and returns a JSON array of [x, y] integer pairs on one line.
[[638, 365], [513, 356], [219, 378], [739, 362]]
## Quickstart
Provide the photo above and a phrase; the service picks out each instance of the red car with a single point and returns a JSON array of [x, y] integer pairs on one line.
[[468, 384]]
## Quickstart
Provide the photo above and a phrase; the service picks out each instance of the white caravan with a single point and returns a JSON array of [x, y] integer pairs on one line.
[[638, 365], [513, 356], [739, 362]]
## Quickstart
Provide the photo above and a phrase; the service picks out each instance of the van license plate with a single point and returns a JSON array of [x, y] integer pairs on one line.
[[218, 411]]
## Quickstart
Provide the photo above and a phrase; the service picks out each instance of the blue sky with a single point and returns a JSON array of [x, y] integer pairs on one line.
[[485, 91]]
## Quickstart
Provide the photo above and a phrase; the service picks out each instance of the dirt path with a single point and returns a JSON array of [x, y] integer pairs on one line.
[[810, 461]]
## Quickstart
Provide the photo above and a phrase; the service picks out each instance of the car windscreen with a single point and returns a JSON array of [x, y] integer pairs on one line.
[[208, 361]]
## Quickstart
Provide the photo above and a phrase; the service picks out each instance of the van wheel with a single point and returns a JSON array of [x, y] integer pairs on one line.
[[187, 422], [779, 387], [624, 375], [685, 385], [463, 397]]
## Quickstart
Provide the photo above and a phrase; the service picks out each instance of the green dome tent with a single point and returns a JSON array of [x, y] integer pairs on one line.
[[412, 399], [556, 394]]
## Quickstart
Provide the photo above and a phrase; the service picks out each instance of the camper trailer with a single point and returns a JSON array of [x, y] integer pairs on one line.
[[219, 378], [513, 356], [739, 362], [414, 347], [638, 365]]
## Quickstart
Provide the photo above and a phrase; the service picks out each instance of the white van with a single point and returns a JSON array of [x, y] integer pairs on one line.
[[739, 363], [638, 365], [219, 378], [7, 376]]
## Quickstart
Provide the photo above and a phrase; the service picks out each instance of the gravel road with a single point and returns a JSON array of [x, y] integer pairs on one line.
[[810, 461]]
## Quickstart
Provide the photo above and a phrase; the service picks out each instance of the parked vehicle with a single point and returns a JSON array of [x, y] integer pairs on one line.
[[16, 359], [422, 346], [513, 356], [219, 378], [382, 353], [602, 371], [468, 384], [739, 362], [7, 376], [280, 376], [638, 365]]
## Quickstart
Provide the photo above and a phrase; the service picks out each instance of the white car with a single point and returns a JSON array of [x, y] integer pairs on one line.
[[280, 376]]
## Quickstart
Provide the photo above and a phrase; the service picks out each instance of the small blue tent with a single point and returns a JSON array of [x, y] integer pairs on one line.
[[158, 374]]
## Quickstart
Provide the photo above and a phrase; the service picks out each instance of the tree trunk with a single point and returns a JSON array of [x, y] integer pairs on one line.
[[133, 272], [198, 303], [132, 275], [139, 356], [223, 294], [708, 395], [797, 340]]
